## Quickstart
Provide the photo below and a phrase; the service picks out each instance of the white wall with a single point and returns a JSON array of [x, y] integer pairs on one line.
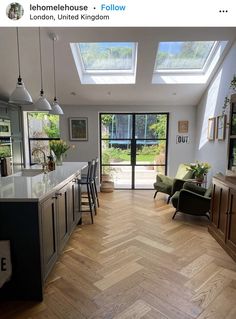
[[84, 151], [214, 152]]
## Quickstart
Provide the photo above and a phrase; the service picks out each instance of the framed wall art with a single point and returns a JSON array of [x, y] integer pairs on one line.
[[211, 129], [221, 127], [183, 126], [78, 128]]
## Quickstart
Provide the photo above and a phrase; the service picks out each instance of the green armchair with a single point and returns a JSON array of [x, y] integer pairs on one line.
[[168, 185], [193, 200]]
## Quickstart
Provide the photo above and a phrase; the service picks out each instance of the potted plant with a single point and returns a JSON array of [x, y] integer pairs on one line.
[[107, 184], [59, 147], [199, 169]]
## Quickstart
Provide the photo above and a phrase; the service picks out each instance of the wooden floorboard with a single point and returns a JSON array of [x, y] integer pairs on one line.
[[136, 262]]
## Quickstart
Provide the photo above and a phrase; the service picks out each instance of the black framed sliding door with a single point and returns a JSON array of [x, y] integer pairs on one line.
[[133, 148]]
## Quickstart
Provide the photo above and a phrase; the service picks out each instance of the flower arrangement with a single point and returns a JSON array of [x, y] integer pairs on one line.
[[59, 147], [199, 169]]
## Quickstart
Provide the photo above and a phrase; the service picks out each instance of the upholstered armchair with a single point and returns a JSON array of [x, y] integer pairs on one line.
[[192, 199], [169, 185]]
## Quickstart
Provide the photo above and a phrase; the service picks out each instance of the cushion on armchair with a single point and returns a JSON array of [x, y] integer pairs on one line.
[[183, 172], [168, 185]]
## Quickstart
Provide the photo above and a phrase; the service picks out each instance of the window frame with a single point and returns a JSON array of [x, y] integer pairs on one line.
[[37, 138]]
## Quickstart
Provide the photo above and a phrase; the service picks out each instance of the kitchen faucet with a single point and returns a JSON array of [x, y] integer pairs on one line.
[[44, 164]]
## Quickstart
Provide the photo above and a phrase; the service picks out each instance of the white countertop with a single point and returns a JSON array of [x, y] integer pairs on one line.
[[34, 188]]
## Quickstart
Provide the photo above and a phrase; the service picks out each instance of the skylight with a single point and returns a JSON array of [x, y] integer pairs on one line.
[[183, 55], [105, 62], [188, 62], [107, 55]]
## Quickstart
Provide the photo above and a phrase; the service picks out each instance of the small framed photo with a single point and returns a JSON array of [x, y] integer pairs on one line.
[[211, 129], [183, 126], [78, 128], [221, 127]]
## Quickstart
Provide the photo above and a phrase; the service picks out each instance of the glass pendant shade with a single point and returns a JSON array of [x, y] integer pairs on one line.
[[20, 95], [42, 104], [56, 109]]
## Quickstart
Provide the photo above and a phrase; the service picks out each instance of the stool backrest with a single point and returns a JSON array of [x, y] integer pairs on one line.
[[91, 169], [95, 168]]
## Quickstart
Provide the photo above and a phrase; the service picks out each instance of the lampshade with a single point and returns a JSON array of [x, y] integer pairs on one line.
[[20, 95], [56, 109], [42, 104]]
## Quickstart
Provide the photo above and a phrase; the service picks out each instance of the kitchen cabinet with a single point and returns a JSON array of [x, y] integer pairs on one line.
[[38, 226], [231, 224], [49, 234], [223, 213]]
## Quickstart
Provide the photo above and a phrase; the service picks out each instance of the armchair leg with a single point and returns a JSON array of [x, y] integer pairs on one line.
[[173, 217], [168, 200], [155, 194]]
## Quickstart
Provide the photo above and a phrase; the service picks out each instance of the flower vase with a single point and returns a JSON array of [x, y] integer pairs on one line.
[[59, 160]]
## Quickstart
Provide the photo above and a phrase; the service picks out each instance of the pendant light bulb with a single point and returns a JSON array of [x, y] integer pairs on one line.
[[20, 95], [42, 103]]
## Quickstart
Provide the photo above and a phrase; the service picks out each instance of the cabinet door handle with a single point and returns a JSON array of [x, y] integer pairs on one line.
[[54, 197], [58, 194]]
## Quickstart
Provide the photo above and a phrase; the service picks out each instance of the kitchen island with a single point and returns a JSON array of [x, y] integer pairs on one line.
[[37, 214]]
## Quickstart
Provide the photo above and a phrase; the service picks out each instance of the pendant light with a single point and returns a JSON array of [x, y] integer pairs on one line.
[[42, 104], [20, 95], [56, 109]]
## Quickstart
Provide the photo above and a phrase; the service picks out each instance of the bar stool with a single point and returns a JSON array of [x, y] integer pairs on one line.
[[87, 181], [94, 177]]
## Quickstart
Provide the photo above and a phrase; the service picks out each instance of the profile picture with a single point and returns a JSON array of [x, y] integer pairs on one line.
[[15, 11]]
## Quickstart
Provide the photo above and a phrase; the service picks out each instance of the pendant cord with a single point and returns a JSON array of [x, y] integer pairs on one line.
[[40, 57], [54, 69], [18, 50]]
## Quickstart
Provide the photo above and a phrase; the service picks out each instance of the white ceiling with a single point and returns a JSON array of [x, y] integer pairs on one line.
[[141, 93]]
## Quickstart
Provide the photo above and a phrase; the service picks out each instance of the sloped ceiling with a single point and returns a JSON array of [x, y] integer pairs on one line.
[[69, 89]]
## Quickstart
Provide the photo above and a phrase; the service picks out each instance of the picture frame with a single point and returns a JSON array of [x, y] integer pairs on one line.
[[78, 128], [182, 126], [221, 127], [211, 129]]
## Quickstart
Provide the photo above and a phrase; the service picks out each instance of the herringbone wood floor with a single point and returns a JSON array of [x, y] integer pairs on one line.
[[136, 262]]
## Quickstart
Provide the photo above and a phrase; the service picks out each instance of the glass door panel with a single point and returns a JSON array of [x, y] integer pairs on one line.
[[150, 152], [116, 126], [122, 176], [151, 126], [116, 151]]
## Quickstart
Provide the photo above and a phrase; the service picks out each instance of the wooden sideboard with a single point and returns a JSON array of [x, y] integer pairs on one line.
[[223, 213]]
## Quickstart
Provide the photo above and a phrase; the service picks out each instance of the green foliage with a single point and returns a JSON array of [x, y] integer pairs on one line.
[[58, 147], [50, 123], [52, 130], [5, 151], [100, 57], [106, 119], [159, 128], [199, 168]]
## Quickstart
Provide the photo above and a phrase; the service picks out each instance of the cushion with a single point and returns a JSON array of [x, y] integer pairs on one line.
[[183, 173]]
